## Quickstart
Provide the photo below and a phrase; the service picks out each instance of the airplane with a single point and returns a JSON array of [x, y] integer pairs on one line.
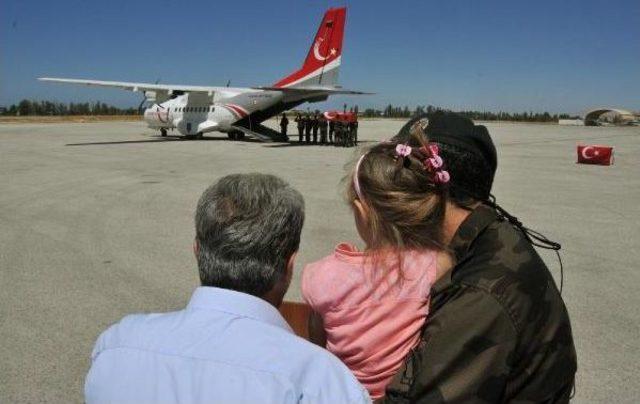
[[195, 110]]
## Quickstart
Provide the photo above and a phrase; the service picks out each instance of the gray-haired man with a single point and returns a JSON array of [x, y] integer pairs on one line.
[[230, 344]]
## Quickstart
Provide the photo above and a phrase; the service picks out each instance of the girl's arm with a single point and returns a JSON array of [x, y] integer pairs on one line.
[[317, 335]]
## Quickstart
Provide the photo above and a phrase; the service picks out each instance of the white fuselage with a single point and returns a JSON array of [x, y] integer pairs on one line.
[[192, 114]]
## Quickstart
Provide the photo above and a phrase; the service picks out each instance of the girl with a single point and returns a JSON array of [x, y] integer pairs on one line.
[[369, 306]]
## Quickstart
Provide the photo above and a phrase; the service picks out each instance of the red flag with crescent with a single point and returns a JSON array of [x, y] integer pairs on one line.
[[340, 116], [595, 154]]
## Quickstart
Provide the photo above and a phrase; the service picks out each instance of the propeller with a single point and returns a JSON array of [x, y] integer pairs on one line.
[[144, 98], [228, 82]]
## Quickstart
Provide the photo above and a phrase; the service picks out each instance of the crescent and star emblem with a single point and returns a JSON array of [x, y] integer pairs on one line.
[[316, 51], [586, 155], [330, 114]]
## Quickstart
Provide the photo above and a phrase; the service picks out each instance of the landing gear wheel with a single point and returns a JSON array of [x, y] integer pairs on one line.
[[163, 132], [199, 135]]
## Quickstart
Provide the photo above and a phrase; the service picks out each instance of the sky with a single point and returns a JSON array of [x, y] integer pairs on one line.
[[547, 55]]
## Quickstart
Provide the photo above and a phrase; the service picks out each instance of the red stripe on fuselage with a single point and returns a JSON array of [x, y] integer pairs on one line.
[[238, 110]]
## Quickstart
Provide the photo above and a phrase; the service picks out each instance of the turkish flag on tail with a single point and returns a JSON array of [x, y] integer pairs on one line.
[[595, 154], [324, 54]]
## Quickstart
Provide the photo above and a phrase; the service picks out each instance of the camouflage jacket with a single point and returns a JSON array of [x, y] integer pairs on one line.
[[498, 330]]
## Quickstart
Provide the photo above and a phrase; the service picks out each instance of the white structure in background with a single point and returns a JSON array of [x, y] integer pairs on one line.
[[571, 122], [609, 116]]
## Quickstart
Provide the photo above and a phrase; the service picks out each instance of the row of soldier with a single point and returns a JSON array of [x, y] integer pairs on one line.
[[337, 132]]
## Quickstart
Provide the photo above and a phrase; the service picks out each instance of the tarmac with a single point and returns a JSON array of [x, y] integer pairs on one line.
[[96, 222]]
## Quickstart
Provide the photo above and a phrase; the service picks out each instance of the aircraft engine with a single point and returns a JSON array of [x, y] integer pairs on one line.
[[150, 96]]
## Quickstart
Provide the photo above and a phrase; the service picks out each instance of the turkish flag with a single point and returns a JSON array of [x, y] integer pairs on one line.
[[595, 154]]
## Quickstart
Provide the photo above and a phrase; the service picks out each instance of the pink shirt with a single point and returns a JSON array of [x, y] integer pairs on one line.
[[371, 320]]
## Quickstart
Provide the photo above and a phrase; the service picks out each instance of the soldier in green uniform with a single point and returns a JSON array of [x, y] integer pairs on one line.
[[323, 129], [315, 123], [300, 125], [284, 122], [498, 330], [332, 127], [307, 128]]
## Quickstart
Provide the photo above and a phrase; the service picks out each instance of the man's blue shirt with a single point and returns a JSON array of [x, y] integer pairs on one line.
[[226, 346]]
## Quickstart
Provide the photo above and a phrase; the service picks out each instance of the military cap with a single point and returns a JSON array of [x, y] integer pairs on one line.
[[448, 128]]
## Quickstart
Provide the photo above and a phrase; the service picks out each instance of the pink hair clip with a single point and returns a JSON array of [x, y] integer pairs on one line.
[[442, 177], [403, 150], [434, 163]]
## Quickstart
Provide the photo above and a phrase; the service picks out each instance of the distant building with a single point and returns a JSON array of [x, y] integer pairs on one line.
[[571, 122], [610, 116]]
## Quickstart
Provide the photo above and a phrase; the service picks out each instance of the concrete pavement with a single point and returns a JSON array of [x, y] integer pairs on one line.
[[97, 222]]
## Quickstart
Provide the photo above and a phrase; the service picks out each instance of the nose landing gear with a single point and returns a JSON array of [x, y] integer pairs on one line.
[[163, 132]]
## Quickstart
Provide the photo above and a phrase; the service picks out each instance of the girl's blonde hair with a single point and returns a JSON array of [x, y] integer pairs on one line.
[[405, 205]]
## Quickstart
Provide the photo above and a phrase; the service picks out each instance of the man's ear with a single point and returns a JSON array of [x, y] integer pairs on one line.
[[290, 264], [196, 247]]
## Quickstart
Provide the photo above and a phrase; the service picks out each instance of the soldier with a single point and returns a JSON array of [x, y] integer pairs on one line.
[[307, 128], [331, 130], [341, 133], [314, 127], [349, 130], [336, 133], [354, 130], [498, 330], [284, 122], [300, 123], [323, 129]]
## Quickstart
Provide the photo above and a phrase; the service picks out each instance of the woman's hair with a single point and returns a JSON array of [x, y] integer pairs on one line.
[[405, 205]]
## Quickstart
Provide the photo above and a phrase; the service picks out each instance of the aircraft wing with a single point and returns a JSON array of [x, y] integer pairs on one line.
[[314, 89], [168, 88]]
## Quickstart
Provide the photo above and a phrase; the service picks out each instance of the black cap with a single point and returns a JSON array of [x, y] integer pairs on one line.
[[448, 128]]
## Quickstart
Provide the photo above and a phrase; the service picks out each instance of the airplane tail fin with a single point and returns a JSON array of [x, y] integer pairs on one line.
[[323, 60]]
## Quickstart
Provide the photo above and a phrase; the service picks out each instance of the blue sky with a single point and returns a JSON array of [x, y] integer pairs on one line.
[[558, 56]]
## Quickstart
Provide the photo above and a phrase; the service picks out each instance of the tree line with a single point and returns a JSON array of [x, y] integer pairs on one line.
[[30, 107], [391, 111]]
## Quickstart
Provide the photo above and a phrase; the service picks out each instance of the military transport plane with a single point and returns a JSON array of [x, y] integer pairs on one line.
[[194, 110]]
